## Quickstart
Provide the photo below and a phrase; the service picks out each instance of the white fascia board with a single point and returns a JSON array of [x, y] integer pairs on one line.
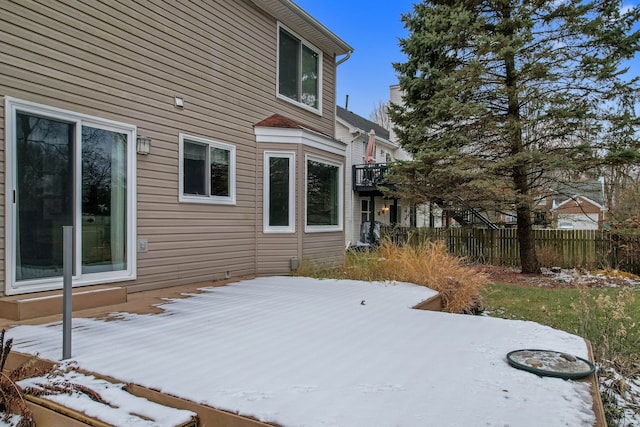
[[299, 136], [386, 143], [579, 197], [352, 129]]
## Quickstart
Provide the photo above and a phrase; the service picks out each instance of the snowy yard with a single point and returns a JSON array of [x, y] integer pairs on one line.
[[307, 352]]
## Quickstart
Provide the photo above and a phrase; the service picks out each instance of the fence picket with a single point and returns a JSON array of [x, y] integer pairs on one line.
[[563, 248]]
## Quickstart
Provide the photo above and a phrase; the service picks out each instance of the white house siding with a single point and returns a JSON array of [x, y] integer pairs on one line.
[[126, 62], [578, 221], [342, 133], [355, 156]]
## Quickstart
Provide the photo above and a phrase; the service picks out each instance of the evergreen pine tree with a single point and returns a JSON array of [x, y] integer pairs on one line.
[[503, 97]]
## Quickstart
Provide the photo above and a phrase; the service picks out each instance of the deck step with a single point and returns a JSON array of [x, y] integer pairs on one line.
[[52, 414], [48, 412], [41, 304]]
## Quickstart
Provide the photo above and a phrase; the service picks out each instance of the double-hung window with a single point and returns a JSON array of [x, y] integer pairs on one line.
[[299, 71], [68, 169], [207, 171], [279, 192], [324, 195]]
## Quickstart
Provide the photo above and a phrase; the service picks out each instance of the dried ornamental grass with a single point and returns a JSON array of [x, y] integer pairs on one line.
[[11, 394], [607, 322], [428, 264], [11, 400]]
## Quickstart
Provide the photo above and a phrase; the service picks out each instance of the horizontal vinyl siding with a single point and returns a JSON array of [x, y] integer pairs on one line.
[[2, 196], [275, 253], [325, 249], [126, 61]]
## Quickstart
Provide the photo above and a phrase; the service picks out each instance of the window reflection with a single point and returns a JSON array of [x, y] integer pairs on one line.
[[44, 194], [104, 183], [323, 194]]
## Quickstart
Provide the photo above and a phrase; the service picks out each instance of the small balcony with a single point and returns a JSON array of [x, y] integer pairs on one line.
[[367, 178]]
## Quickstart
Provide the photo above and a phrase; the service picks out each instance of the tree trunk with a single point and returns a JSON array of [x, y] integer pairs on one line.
[[528, 259], [526, 241]]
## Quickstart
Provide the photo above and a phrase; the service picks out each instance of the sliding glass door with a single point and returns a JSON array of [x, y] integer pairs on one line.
[[68, 170], [43, 194]]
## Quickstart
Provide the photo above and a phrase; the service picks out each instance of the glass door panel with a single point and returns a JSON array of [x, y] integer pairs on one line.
[[44, 194], [104, 201]]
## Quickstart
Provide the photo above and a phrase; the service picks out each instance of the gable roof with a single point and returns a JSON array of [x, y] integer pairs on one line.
[[361, 123], [304, 24], [578, 199], [591, 190]]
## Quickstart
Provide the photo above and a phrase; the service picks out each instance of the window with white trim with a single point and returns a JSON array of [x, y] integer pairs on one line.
[[207, 171], [279, 192], [324, 195], [299, 71], [68, 169]]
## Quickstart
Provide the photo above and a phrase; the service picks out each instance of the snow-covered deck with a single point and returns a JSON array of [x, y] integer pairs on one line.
[[305, 352]]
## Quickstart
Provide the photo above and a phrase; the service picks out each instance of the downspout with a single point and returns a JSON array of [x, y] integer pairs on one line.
[[335, 108], [335, 88]]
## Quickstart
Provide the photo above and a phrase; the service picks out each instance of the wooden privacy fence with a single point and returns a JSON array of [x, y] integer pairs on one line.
[[563, 248]]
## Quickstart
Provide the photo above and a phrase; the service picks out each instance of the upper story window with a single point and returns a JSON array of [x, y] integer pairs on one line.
[[207, 171], [299, 71]]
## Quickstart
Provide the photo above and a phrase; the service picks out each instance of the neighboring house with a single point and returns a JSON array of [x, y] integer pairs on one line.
[[570, 206], [577, 206], [364, 201], [578, 213], [235, 99]]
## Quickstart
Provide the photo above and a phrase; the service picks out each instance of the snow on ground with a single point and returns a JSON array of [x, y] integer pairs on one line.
[[599, 278], [307, 352], [119, 408], [625, 392]]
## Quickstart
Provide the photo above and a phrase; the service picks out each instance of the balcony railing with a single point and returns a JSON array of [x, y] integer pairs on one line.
[[369, 177]]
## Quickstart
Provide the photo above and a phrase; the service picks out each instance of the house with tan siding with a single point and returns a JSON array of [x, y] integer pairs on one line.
[[184, 141]]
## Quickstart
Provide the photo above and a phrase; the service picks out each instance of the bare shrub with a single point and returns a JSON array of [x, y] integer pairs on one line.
[[608, 323], [549, 256]]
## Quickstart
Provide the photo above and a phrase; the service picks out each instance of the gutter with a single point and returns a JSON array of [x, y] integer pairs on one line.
[[323, 29], [344, 58]]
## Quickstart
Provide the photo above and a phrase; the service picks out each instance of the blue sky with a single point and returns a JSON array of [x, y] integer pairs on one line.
[[373, 29]]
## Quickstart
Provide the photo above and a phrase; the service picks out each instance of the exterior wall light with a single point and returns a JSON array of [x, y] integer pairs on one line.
[[143, 144]]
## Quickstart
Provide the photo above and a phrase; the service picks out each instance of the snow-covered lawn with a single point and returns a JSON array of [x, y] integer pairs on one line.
[[307, 352]]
